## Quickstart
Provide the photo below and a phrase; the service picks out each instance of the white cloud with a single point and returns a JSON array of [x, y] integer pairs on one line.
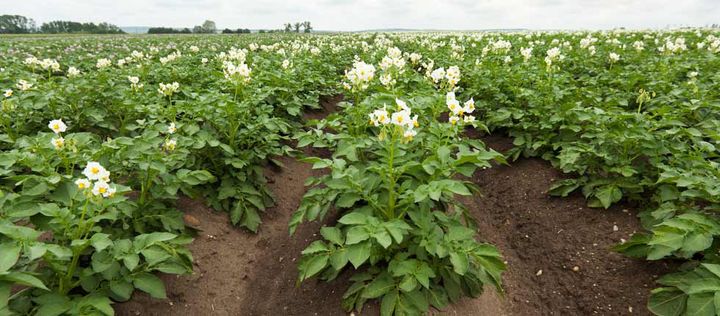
[[372, 14]]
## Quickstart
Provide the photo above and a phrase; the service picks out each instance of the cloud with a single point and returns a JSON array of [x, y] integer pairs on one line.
[[345, 15]]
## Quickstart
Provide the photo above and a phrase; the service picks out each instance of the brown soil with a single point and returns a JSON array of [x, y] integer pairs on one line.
[[240, 273], [538, 232]]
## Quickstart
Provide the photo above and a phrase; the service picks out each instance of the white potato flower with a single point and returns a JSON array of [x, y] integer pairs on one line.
[[409, 133], [379, 117], [8, 93], [57, 126], [94, 171], [58, 142], [102, 188], [171, 128], [168, 89], [102, 63], [73, 72], [526, 53], [469, 106], [24, 85], [614, 57], [453, 119], [170, 145], [82, 183], [401, 118]]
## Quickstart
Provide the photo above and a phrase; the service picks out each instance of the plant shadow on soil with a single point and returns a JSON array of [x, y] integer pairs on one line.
[[241, 273]]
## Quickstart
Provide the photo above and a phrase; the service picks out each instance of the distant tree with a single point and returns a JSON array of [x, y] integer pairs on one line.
[[297, 27], [287, 27], [16, 24], [185, 31], [197, 29], [227, 31], [162, 30], [55, 27], [261, 31], [307, 27], [209, 27]]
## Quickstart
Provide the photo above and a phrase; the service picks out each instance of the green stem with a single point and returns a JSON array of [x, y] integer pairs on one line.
[[391, 176]]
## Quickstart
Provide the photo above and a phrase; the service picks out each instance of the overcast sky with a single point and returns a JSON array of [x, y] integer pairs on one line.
[[348, 15]]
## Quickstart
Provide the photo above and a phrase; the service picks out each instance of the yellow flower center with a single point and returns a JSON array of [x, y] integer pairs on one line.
[[81, 185], [102, 190], [95, 170], [56, 126]]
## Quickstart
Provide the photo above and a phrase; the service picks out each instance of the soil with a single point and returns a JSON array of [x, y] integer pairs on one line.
[[241, 273]]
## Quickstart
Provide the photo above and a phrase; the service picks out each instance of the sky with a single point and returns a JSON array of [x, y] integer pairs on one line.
[[355, 15]]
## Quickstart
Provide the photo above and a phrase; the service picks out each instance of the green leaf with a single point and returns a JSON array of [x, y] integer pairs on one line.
[[354, 218], [459, 262], [346, 200], [23, 278], [251, 220], [315, 247], [9, 255], [387, 305], [667, 301], [359, 253], [356, 234], [332, 234], [701, 304], [121, 289], [339, 259], [608, 195], [100, 241], [52, 304], [312, 266], [378, 287], [383, 238], [150, 284]]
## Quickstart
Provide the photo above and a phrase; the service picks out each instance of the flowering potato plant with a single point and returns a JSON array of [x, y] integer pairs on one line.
[[400, 224], [69, 239]]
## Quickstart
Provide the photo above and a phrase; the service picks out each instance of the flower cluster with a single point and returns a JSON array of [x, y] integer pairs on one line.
[[171, 57], [170, 144], [553, 55], [49, 64], [393, 59], [57, 126], [73, 72], [102, 63], [135, 82], [639, 45], [95, 172], [402, 118], [24, 85], [167, 89], [451, 75], [239, 73], [614, 57], [526, 53], [360, 75], [459, 112]]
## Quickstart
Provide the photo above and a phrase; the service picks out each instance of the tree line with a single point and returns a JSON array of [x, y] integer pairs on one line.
[[209, 27], [18, 24], [295, 27]]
